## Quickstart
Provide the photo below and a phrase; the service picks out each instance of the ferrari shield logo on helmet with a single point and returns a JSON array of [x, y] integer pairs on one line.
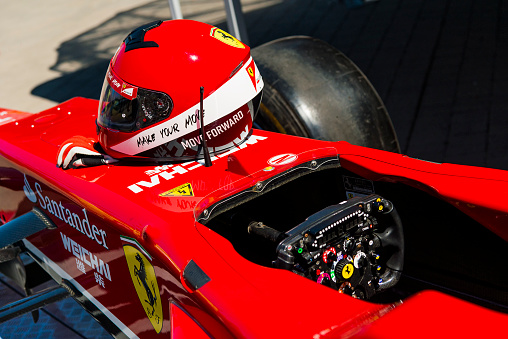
[[251, 70], [145, 283], [226, 38]]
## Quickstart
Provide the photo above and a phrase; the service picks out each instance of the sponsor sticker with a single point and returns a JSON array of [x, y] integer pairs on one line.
[[84, 256], [168, 172], [184, 190], [357, 187], [28, 191], [126, 90], [78, 219], [282, 159], [145, 281], [226, 38], [251, 70]]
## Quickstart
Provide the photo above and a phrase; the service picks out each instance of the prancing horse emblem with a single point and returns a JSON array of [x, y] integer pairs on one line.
[[140, 273], [226, 38], [144, 281]]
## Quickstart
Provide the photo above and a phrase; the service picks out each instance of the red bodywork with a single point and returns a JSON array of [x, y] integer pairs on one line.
[[120, 206]]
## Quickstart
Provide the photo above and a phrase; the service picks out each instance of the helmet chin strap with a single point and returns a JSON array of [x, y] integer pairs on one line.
[[208, 160]]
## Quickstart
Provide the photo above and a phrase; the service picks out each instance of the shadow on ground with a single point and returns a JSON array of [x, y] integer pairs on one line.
[[439, 66]]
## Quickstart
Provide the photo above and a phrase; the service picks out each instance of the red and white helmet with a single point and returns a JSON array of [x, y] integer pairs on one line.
[[150, 99]]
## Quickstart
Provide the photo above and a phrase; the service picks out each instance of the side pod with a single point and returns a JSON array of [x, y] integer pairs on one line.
[[183, 325]]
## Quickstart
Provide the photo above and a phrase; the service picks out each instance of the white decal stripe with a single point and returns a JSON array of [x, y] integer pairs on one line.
[[134, 242], [60, 155], [227, 98], [127, 331]]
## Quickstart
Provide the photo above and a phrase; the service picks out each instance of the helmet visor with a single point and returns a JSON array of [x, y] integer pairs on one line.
[[127, 108]]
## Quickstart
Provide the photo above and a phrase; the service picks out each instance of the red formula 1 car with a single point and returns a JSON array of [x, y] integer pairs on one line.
[[282, 236]]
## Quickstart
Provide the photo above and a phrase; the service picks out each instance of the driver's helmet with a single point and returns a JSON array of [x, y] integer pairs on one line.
[[150, 99]]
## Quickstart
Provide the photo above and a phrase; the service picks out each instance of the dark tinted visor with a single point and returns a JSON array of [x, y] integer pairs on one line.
[[135, 109]]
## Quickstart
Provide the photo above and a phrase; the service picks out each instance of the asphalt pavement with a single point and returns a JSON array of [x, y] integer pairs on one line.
[[440, 66]]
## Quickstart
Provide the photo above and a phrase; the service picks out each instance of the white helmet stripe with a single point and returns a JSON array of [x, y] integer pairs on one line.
[[235, 93]]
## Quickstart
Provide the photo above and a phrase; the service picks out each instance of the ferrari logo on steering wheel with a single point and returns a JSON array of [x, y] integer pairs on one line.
[[347, 271]]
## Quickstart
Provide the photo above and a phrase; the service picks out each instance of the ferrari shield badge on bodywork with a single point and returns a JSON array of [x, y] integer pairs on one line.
[[144, 280]]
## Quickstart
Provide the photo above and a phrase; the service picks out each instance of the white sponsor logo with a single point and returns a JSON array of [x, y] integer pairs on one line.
[[84, 256], [76, 220], [282, 159], [62, 273], [128, 91], [113, 81], [168, 172], [28, 191], [214, 132], [195, 142]]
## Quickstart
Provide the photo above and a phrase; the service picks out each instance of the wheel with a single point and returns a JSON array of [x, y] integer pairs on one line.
[[313, 90]]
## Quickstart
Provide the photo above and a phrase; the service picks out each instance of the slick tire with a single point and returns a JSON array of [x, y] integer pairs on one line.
[[313, 90]]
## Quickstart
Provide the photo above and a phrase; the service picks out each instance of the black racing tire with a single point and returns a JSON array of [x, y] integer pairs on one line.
[[313, 90]]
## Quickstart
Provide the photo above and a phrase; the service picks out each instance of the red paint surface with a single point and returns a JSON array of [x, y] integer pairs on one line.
[[242, 298]]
